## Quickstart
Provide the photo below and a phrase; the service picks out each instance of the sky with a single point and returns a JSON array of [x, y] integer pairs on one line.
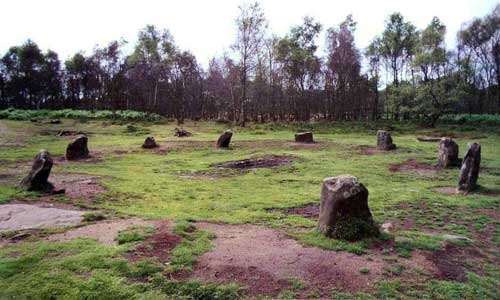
[[207, 27]]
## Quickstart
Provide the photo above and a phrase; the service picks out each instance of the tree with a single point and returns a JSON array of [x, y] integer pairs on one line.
[[397, 44], [251, 25], [430, 51], [51, 75], [481, 38], [187, 86], [31, 77], [374, 56], [343, 69], [149, 66], [300, 65]]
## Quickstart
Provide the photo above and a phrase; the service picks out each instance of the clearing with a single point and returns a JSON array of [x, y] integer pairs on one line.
[[187, 220]]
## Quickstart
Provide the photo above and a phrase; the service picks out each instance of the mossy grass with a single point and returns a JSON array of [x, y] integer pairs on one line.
[[152, 184]]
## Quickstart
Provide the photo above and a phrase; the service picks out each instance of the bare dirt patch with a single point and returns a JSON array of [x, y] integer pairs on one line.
[[447, 190], [413, 166], [370, 150], [265, 261], [268, 161], [157, 246], [286, 145], [103, 232], [70, 133], [451, 261], [77, 186], [427, 139], [94, 157], [310, 211], [15, 217], [451, 190]]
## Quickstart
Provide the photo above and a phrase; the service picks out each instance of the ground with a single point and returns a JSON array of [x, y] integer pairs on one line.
[[189, 220]]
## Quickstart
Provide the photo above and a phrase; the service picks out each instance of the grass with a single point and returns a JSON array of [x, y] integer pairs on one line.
[[134, 234], [149, 184], [38, 115], [194, 244], [85, 269]]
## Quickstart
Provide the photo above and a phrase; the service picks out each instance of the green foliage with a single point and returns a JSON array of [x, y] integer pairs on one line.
[[317, 239], [144, 268], [194, 244], [287, 295], [470, 119], [85, 269], [354, 229], [119, 115], [93, 216], [409, 240], [194, 290]]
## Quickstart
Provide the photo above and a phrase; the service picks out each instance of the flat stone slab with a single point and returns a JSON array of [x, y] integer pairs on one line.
[[24, 216]]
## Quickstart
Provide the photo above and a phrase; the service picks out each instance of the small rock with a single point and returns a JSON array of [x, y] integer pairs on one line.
[[304, 137], [451, 237], [55, 121], [387, 227]]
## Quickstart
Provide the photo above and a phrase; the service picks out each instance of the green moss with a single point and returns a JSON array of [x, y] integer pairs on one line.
[[354, 229], [194, 243], [149, 184], [134, 234], [317, 239], [93, 216]]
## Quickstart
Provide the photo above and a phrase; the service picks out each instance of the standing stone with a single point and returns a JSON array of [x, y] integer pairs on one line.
[[448, 153], [225, 139], [77, 148], [304, 137], [469, 171], [384, 140], [149, 143], [37, 179], [344, 212]]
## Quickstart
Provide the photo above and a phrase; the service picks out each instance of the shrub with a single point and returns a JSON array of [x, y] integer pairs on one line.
[[120, 115], [471, 119]]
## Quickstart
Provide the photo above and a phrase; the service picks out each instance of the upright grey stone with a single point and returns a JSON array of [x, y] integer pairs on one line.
[[469, 172], [384, 140], [344, 211], [37, 179], [225, 139], [448, 153], [304, 137], [77, 148]]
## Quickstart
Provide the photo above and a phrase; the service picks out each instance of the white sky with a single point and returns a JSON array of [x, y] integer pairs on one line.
[[206, 27]]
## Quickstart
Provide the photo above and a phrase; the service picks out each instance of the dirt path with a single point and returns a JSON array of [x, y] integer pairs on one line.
[[104, 232], [24, 216], [266, 261]]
